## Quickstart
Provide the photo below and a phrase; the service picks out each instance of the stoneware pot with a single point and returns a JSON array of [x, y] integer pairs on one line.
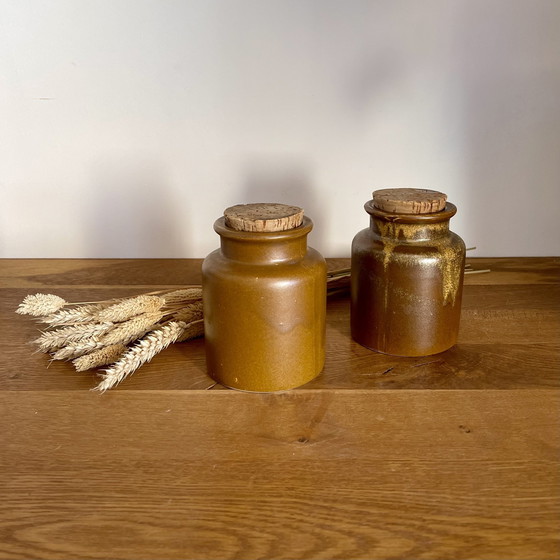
[[407, 274], [264, 296]]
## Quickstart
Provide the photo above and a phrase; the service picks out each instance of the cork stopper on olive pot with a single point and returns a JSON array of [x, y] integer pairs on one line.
[[263, 217], [409, 201]]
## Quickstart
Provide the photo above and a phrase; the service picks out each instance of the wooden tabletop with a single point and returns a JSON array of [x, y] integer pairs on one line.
[[449, 457]]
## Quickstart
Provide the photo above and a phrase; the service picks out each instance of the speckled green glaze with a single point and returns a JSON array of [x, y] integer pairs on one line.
[[264, 309], [407, 280]]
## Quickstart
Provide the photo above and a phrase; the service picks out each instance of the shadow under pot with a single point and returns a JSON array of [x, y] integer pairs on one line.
[[264, 294], [407, 274]]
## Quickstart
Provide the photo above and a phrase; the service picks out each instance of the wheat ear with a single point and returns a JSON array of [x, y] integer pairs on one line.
[[74, 316], [130, 307], [143, 352], [130, 330], [39, 305], [76, 349], [51, 340], [189, 313], [192, 330], [100, 357], [182, 296], [122, 333]]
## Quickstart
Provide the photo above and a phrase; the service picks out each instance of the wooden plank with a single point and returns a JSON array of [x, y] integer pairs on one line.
[[515, 270], [304, 474], [363, 462], [183, 366], [509, 339], [48, 273], [542, 297], [467, 366]]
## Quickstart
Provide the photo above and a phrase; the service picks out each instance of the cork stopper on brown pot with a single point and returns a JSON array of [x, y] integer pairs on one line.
[[409, 201], [263, 217]]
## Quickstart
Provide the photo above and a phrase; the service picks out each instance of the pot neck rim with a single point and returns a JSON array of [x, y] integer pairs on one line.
[[420, 219], [260, 236]]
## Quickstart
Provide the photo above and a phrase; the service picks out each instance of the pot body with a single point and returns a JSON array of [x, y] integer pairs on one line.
[[407, 280], [264, 300]]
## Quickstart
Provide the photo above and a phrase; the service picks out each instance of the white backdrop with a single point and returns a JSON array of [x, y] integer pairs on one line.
[[127, 126]]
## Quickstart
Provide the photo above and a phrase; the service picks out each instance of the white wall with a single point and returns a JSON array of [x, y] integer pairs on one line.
[[127, 126]]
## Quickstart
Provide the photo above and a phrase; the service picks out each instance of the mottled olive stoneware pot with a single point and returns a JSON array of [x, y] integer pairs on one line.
[[407, 274], [264, 294]]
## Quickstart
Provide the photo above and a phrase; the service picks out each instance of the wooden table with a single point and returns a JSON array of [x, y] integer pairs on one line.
[[447, 457]]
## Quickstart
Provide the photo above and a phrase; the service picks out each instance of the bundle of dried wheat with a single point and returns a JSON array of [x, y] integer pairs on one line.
[[97, 334]]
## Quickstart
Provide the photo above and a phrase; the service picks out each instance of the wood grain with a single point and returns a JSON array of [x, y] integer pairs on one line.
[[426, 474], [451, 456]]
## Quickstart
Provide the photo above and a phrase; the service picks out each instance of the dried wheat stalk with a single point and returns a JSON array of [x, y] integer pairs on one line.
[[191, 312], [38, 305], [82, 314], [75, 349], [131, 330], [183, 296], [143, 352], [128, 308], [95, 334], [51, 340], [100, 357], [193, 329]]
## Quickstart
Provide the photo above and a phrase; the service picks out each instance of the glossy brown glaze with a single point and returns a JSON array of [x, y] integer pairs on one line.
[[264, 309], [407, 279]]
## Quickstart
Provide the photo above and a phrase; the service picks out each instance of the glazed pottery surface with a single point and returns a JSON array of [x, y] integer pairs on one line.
[[264, 299], [407, 279]]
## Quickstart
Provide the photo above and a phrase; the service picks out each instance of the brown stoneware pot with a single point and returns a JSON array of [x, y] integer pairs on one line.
[[264, 294], [407, 274]]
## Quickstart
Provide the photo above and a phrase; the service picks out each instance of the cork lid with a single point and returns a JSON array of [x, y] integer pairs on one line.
[[409, 201], [263, 217]]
